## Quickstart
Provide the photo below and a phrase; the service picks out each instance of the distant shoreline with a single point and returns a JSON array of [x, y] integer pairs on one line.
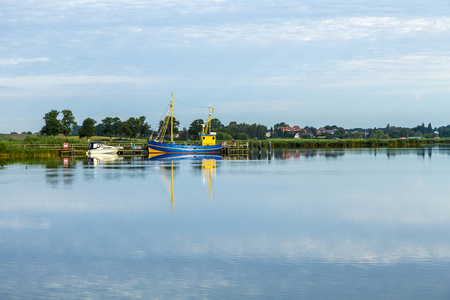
[[18, 149], [346, 143]]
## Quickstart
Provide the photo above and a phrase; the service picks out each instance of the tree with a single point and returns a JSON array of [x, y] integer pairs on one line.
[[195, 128], [68, 123], [216, 125], [144, 127], [117, 126], [126, 130], [52, 125], [100, 129], [378, 134], [223, 136], [281, 124], [108, 122], [184, 134], [133, 126], [242, 136], [176, 124], [87, 129]]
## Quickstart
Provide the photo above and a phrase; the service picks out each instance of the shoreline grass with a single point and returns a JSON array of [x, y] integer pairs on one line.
[[49, 146]]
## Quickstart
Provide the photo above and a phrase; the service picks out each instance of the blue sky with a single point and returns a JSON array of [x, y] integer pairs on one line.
[[349, 63]]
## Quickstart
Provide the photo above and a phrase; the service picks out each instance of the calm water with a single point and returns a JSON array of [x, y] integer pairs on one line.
[[346, 224]]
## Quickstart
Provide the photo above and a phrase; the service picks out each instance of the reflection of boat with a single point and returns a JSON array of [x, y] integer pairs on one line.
[[101, 148], [207, 139], [208, 167], [208, 172], [104, 158], [167, 156]]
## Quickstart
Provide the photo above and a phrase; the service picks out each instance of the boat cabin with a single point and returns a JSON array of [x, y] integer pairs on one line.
[[95, 145], [207, 139]]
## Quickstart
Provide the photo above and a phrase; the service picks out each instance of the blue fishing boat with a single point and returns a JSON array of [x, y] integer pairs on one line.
[[207, 139]]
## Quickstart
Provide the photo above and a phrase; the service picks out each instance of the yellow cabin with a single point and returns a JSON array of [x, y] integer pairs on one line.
[[208, 139]]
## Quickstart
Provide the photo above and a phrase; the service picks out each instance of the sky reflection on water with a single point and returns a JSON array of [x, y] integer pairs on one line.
[[305, 224]]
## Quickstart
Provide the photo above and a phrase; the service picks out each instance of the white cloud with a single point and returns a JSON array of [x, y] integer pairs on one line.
[[307, 30], [54, 85], [16, 61]]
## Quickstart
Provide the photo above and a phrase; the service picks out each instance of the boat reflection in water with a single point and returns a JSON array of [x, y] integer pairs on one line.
[[96, 159], [208, 172], [208, 167]]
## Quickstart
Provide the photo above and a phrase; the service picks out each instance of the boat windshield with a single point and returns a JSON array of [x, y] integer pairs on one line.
[[95, 145]]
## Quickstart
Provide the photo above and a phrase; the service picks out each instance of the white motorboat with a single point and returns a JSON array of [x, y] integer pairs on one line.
[[101, 148]]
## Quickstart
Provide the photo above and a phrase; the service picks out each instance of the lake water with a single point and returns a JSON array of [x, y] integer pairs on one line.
[[321, 224]]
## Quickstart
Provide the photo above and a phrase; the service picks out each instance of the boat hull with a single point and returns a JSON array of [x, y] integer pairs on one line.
[[103, 151], [156, 147]]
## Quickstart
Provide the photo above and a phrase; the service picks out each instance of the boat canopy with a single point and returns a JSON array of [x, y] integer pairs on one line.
[[95, 145]]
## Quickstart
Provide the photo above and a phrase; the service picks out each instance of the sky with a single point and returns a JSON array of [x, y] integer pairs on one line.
[[350, 63]]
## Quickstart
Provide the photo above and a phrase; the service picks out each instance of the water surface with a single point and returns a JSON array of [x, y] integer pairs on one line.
[[317, 224]]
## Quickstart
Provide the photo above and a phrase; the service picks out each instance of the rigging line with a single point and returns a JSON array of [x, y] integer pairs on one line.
[[165, 112], [189, 103]]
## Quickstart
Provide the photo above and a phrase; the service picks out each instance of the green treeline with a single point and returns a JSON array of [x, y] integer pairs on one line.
[[63, 123], [109, 126]]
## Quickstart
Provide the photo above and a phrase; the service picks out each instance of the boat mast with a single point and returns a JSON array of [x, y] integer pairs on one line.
[[207, 127], [171, 119]]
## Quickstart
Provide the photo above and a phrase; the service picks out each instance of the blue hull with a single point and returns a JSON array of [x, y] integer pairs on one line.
[[156, 147]]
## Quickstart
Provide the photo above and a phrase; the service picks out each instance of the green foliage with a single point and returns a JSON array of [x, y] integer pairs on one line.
[[241, 136], [223, 136], [252, 131], [126, 130], [3, 147], [108, 127], [195, 128], [176, 125], [216, 125], [52, 125], [87, 129], [378, 134], [346, 143], [68, 123]]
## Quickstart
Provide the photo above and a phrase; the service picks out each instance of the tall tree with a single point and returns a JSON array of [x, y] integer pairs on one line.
[[144, 127], [126, 130], [52, 125], [87, 129], [216, 125], [176, 124], [117, 126], [109, 128], [195, 128], [68, 123], [133, 124]]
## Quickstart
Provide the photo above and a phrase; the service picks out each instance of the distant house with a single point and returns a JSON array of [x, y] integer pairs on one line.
[[268, 134], [291, 129], [308, 130], [303, 134]]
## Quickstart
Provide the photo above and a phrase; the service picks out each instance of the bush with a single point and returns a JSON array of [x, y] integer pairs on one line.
[[241, 136], [3, 147], [223, 136]]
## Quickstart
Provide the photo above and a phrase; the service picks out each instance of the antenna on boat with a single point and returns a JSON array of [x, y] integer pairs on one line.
[[207, 128], [171, 119]]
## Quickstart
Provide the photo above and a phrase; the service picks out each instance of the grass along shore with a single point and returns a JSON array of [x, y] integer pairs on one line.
[[44, 146]]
